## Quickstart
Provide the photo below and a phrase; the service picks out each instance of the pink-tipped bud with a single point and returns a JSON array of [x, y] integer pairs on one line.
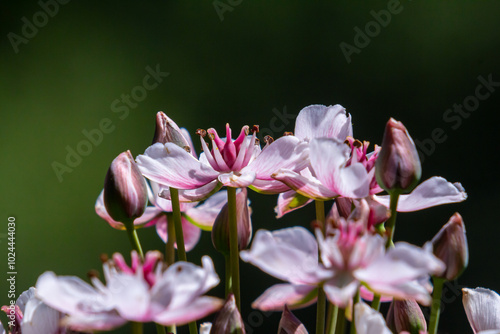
[[450, 246], [228, 320], [289, 324], [125, 191], [398, 166], [167, 131], [406, 316], [220, 229]]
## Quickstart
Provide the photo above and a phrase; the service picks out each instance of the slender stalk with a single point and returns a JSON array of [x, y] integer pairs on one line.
[[320, 312], [172, 329], [354, 302], [436, 304], [227, 263], [161, 330], [321, 303], [169, 245], [136, 328], [179, 238], [390, 225], [340, 322], [176, 212], [331, 322], [133, 238], [376, 302], [234, 258]]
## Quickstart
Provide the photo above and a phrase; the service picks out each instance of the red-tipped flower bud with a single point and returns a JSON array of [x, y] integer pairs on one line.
[[220, 229], [167, 131], [228, 320], [406, 316], [398, 165], [125, 191], [289, 324], [450, 246]]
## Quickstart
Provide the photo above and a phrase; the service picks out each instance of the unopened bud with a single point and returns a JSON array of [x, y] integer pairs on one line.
[[167, 131], [220, 229], [398, 165], [450, 246], [406, 316], [289, 324], [125, 190], [228, 320]]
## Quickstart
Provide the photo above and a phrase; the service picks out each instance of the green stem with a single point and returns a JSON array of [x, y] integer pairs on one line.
[[133, 238], [331, 322], [179, 238], [227, 263], [172, 329], [340, 329], [321, 303], [390, 225], [320, 312], [376, 302], [160, 329], [176, 212], [354, 302], [234, 257], [169, 245], [136, 328], [436, 304]]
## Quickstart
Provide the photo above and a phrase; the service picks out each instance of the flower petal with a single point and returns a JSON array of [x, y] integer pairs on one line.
[[237, 181], [197, 309], [287, 152], [290, 201], [279, 295], [269, 187], [305, 186], [39, 318], [130, 295], [191, 233], [482, 307], [432, 192], [194, 195], [289, 254], [340, 289], [204, 214], [328, 159], [318, 121], [172, 166], [103, 321], [369, 321]]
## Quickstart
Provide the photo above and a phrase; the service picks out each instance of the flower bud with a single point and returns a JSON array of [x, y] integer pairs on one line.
[[125, 190], [228, 320], [167, 131], [289, 324], [450, 246], [406, 315], [220, 229], [398, 165]]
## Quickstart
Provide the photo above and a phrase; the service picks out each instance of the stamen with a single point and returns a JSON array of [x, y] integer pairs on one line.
[[93, 273], [268, 139], [287, 133], [201, 132], [255, 129], [104, 257], [357, 144]]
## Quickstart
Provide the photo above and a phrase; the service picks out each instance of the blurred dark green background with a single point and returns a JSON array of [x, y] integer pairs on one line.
[[263, 58]]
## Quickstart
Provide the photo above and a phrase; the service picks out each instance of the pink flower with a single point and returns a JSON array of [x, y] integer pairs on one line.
[[235, 163], [30, 315], [142, 292], [350, 257], [482, 307], [369, 321]]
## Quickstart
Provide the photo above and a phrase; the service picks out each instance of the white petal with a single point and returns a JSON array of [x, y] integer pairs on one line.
[[318, 121], [204, 214], [328, 159], [289, 254], [432, 192], [482, 307], [40, 318], [237, 181], [172, 166], [369, 321], [294, 296], [290, 201]]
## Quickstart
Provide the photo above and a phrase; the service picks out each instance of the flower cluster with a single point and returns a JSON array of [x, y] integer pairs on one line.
[[348, 259]]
